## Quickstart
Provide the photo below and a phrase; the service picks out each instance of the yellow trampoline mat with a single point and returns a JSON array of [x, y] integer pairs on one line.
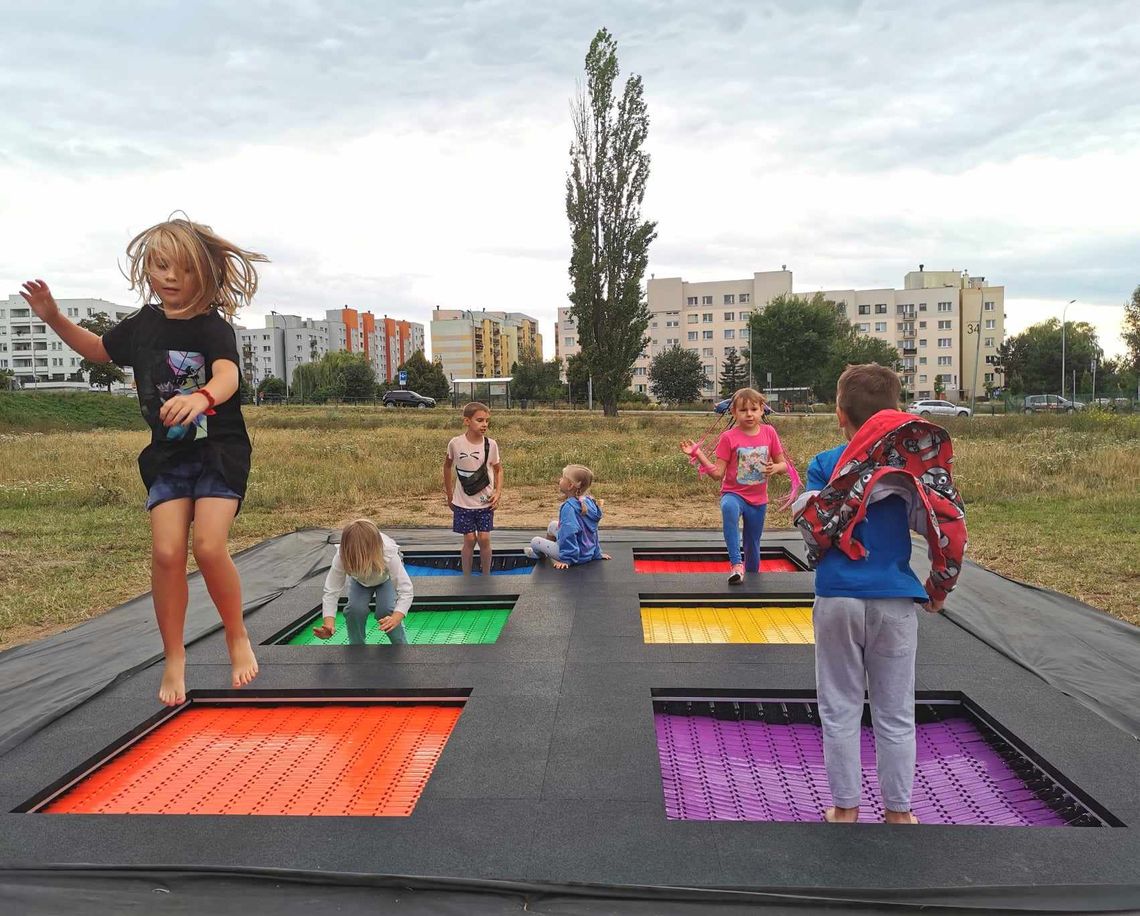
[[785, 625]]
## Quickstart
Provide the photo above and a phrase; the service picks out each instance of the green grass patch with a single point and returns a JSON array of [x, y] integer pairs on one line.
[[46, 411]]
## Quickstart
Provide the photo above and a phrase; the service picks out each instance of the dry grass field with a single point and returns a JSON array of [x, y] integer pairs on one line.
[[1052, 501]]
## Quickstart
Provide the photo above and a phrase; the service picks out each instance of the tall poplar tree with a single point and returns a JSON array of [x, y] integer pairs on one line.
[[609, 240]]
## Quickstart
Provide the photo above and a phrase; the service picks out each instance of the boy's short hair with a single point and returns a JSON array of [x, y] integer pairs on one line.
[[865, 389], [473, 407]]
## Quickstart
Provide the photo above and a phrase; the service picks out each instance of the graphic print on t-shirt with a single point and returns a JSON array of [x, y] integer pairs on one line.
[[750, 461], [173, 372]]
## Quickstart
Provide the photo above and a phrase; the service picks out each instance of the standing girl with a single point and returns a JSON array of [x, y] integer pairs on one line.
[[185, 358], [371, 563], [572, 538], [746, 456]]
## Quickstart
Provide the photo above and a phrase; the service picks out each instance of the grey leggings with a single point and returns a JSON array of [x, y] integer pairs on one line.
[[545, 547], [868, 642]]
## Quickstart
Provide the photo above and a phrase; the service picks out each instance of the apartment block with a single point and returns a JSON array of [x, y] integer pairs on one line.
[[288, 341], [476, 343], [943, 323], [35, 354]]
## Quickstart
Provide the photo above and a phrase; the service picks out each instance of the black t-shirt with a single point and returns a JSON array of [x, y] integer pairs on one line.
[[174, 356]]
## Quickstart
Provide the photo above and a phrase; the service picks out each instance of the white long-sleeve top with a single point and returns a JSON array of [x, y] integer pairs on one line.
[[335, 580]]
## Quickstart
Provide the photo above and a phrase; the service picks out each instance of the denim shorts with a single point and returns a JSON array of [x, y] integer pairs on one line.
[[188, 480], [465, 521]]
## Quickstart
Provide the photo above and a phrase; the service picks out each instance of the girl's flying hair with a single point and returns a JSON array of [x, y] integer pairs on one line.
[[227, 278], [582, 478], [361, 550]]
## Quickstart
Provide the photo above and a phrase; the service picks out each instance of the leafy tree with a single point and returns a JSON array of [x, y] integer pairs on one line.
[[676, 375], [1031, 360], [609, 241], [534, 379], [733, 373], [939, 386], [1131, 330], [102, 374], [7, 379], [245, 391], [578, 377], [335, 375], [852, 349], [795, 338], [807, 342], [271, 387], [629, 396], [425, 378]]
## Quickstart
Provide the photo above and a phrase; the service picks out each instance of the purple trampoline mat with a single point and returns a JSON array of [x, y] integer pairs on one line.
[[714, 769]]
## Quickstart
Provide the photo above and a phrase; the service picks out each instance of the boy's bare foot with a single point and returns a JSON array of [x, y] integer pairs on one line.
[[172, 690], [899, 817], [836, 815], [242, 660]]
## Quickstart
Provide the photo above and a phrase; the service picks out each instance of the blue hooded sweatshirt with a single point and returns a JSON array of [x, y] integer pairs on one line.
[[578, 531]]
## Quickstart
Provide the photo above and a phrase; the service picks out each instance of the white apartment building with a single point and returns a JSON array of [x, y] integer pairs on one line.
[[35, 354], [288, 341], [931, 322]]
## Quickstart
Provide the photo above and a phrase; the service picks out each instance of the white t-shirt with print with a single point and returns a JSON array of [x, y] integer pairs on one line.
[[467, 456]]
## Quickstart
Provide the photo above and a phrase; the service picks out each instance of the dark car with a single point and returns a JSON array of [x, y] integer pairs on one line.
[[402, 398], [1050, 403]]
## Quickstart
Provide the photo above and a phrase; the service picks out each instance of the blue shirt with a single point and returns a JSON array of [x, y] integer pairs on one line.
[[885, 531]]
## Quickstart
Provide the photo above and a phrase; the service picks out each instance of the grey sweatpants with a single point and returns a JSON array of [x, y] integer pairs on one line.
[[868, 643], [544, 547]]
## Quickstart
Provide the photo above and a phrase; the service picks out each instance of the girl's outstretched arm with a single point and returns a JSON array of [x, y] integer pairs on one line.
[[86, 343]]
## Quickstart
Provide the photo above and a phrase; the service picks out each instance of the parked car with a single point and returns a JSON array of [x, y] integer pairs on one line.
[[1112, 403], [399, 397], [938, 408], [1050, 403]]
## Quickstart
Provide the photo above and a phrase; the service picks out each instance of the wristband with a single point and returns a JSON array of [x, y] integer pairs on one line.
[[209, 399]]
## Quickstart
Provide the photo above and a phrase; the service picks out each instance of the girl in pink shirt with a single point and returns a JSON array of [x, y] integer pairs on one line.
[[746, 456]]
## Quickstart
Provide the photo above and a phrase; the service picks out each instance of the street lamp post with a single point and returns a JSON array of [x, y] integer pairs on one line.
[[1063, 311]]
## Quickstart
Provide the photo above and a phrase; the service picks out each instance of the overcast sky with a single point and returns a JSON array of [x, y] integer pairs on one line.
[[398, 156]]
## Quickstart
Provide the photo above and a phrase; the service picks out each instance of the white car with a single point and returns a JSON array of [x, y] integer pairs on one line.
[[938, 408]]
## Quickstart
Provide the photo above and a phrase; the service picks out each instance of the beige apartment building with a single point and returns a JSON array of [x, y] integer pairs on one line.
[[476, 343], [930, 321]]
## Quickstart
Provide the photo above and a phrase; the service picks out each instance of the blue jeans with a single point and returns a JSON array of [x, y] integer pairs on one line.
[[732, 508], [356, 612]]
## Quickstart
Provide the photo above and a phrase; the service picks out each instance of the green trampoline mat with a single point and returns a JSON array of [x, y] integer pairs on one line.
[[424, 627]]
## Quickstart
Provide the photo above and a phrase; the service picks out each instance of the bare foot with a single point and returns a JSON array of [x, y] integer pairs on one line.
[[242, 660], [836, 815], [172, 690], [899, 817]]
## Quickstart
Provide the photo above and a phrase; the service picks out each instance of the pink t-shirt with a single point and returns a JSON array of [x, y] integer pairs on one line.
[[467, 457], [746, 456]]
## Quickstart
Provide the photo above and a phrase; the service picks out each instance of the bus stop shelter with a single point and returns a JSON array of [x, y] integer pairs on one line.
[[491, 391]]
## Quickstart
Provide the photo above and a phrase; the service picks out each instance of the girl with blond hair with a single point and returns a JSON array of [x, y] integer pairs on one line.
[[185, 358], [572, 538], [370, 562]]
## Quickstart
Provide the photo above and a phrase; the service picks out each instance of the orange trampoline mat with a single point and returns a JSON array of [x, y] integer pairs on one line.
[[333, 760]]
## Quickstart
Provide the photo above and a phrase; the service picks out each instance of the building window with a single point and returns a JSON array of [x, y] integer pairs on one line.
[[863, 328], [706, 317], [922, 306], [692, 300], [706, 300], [946, 360], [729, 334], [945, 325], [991, 324], [706, 335], [672, 324], [989, 306], [880, 326], [745, 298], [72, 312], [922, 341], [745, 333], [568, 341], [707, 351], [922, 324], [945, 343], [729, 299], [880, 308], [922, 379], [989, 341], [693, 335], [922, 360], [694, 318], [728, 350], [864, 310], [989, 377], [945, 306], [653, 325], [730, 316]]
